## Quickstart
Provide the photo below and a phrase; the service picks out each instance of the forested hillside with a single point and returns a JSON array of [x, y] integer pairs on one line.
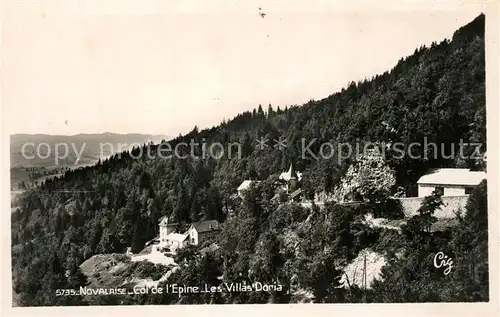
[[437, 93]]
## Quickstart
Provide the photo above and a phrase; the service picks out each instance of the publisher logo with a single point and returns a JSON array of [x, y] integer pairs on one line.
[[442, 260]]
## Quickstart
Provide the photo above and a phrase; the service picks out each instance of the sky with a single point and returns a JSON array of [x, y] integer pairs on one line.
[[163, 67]]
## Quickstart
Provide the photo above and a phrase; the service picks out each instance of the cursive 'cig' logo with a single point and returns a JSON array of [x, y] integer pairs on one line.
[[442, 260]]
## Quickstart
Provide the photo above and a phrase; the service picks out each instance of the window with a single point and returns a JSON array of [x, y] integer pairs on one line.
[[468, 190], [192, 240], [439, 190]]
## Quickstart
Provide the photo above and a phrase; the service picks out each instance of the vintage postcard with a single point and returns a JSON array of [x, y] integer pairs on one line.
[[250, 157]]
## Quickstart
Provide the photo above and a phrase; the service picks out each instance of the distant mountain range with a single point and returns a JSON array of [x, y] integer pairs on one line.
[[89, 145]]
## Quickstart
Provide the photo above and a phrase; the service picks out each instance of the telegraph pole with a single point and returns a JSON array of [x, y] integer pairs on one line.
[[364, 279]]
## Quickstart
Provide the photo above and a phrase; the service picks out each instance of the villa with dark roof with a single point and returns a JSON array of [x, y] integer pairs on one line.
[[203, 230]]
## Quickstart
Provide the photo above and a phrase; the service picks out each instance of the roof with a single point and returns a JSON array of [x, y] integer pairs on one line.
[[207, 225], [246, 184], [453, 176], [296, 193], [286, 176], [176, 237]]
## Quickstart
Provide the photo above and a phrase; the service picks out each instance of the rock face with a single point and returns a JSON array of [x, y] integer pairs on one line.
[[353, 273], [384, 223], [114, 270], [103, 270]]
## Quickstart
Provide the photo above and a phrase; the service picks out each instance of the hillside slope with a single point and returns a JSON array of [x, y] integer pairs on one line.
[[438, 93]]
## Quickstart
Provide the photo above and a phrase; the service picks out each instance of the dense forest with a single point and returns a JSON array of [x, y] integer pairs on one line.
[[437, 93]]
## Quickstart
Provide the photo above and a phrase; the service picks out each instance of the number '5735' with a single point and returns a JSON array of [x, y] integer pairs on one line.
[[65, 292]]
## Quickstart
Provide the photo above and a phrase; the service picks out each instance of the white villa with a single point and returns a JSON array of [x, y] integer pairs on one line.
[[197, 233], [176, 241], [245, 186], [165, 229], [450, 182]]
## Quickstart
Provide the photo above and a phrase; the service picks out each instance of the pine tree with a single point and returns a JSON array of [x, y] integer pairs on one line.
[[270, 111], [426, 211], [260, 112]]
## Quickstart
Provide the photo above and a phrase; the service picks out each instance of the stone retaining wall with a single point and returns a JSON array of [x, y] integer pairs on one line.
[[451, 204]]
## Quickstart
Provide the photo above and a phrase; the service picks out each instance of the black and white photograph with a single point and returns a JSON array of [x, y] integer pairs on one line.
[[192, 153]]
